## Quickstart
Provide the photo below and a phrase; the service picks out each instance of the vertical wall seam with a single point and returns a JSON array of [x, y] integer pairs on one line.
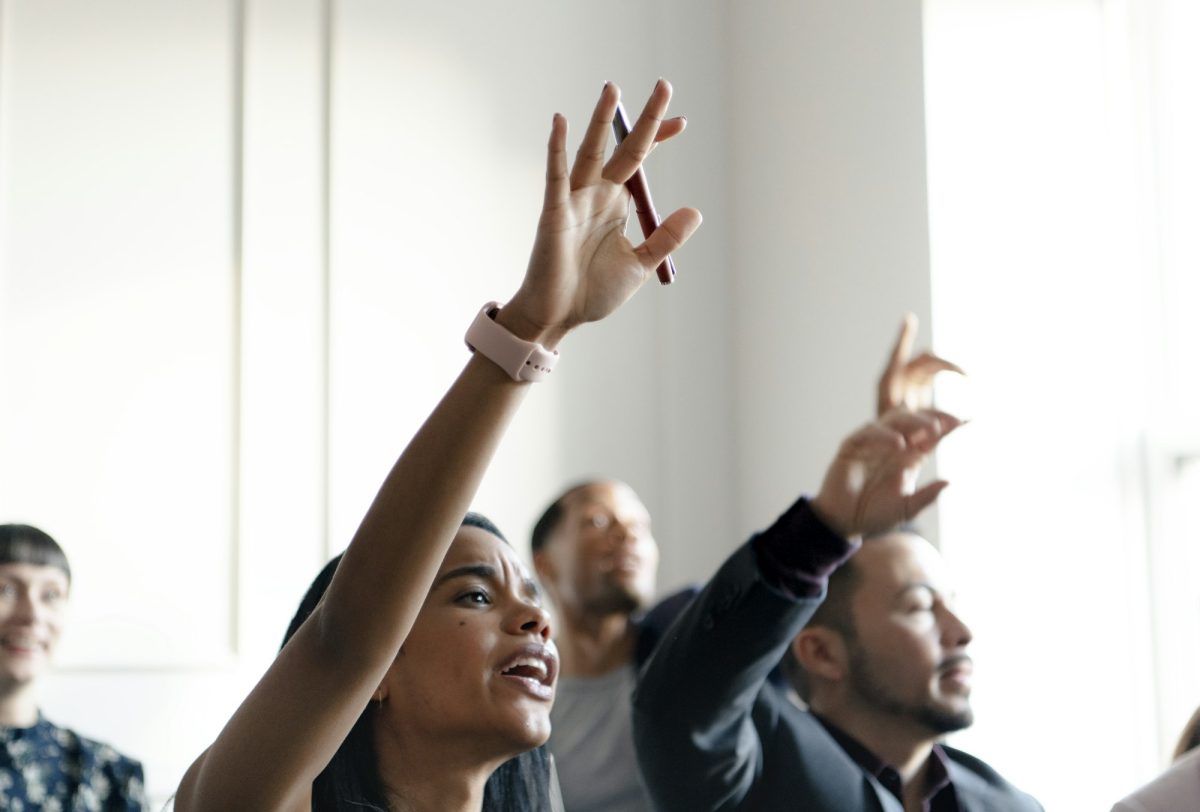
[[238, 32], [326, 69], [3, 143]]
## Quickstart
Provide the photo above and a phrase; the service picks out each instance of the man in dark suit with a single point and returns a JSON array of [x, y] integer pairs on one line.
[[883, 659]]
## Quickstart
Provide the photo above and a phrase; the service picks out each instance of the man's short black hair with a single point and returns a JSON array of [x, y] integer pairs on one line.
[[548, 522], [835, 611]]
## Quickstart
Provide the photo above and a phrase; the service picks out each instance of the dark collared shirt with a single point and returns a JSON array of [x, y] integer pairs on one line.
[[940, 796]]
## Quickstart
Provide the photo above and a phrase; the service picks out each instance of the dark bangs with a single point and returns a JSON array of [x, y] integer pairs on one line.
[[24, 544]]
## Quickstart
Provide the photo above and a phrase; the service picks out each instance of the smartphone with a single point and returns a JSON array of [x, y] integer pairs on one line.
[[640, 190]]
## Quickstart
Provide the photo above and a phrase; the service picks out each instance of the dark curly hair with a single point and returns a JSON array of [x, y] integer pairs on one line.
[[351, 781]]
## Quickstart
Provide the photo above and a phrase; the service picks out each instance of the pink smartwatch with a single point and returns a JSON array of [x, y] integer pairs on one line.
[[522, 360]]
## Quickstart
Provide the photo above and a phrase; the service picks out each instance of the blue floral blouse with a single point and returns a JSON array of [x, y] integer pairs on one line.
[[46, 768]]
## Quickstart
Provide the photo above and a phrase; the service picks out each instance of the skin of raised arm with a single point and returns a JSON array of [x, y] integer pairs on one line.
[[581, 269]]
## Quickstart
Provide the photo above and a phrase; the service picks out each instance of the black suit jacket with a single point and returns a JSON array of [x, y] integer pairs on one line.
[[713, 734]]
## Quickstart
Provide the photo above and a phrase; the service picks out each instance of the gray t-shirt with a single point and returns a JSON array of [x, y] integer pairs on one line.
[[592, 743]]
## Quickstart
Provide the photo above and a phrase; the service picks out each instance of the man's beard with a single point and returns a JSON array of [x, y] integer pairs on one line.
[[613, 598], [875, 690]]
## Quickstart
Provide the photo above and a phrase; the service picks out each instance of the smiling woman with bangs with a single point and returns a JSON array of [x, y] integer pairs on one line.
[[420, 663], [42, 765]]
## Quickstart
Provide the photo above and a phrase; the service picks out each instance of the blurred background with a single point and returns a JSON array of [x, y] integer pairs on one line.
[[240, 242]]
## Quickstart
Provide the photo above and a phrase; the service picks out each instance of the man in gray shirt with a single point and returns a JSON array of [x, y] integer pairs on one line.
[[597, 559]]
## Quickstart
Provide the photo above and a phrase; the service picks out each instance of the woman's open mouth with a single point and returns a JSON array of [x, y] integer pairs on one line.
[[533, 669]]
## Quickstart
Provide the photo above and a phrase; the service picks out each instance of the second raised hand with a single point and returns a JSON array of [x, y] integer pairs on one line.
[[870, 485], [583, 267]]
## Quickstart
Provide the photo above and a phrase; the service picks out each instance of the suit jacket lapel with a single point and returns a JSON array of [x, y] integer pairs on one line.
[[887, 801]]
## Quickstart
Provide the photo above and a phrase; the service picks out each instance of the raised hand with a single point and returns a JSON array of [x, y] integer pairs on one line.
[[871, 484], [582, 266], [906, 381]]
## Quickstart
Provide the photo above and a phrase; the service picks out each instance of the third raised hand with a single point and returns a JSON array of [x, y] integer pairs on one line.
[[870, 485], [583, 267], [907, 382]]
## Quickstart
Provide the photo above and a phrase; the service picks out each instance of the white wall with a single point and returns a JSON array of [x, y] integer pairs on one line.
[[240, 245], [829, 225]]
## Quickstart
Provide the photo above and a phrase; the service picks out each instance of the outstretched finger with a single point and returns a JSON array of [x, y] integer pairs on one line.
[[667, 238], [669, 128], [902, 349], [557, 189], [636, 146], [926, 365], [911, 424], [922, 430], [946, 421], [936, 420], [872, 440], [589, 160], [916, 502]]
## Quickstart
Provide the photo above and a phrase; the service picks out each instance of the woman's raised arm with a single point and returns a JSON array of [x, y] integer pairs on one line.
[[581, 269]]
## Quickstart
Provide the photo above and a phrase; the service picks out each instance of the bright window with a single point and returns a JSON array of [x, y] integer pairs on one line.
[[1064, 169]]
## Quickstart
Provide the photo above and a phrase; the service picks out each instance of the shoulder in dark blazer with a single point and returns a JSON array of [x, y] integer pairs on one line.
[[713, 735]]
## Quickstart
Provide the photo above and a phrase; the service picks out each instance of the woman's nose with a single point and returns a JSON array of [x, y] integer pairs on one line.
[[536, 619]]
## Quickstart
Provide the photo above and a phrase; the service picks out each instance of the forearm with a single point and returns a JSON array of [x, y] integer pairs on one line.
[[694, 702], [714, 659], [323, 678], [799, 552], [382, 580], [696, 743], [581, 269]]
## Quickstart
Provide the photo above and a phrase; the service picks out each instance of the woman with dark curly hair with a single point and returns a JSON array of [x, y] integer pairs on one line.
[[425, 663], [523, 782]]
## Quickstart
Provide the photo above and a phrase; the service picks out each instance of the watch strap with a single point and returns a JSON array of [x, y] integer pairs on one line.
[[522, 360]]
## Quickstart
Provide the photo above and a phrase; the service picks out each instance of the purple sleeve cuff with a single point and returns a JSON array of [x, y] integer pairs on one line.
[[798, 552]]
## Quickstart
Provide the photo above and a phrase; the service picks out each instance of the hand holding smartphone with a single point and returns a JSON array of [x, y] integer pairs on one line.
[[639, 188]]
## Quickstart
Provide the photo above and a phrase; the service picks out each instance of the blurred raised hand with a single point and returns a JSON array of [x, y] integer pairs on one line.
[[871, 484], [907, 382]]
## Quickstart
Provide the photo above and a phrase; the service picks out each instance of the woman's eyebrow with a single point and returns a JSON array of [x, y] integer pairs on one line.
[[471, 570]]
